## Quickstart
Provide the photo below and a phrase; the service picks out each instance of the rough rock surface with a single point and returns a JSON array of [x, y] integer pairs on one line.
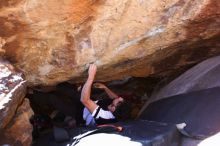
[[20, 129], [12, 92], [55, 40], [202, 76], [14, 110]]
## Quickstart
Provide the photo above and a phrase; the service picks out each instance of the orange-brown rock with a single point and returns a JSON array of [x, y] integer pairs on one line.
[[20, 129], [55, 40]]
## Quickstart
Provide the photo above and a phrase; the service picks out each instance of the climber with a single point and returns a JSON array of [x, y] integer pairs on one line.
[[97, 112]]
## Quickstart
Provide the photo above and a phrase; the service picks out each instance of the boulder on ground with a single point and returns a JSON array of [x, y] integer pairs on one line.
[[14, 109], [202, 76], [20, 128]]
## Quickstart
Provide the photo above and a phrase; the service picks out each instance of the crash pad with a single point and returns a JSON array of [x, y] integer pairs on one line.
[[146, 133]]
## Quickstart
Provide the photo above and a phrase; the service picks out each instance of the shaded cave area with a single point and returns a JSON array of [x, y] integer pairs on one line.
[[60, 105]]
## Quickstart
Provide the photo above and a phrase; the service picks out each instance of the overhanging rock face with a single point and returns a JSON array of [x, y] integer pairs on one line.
[[54, 41]]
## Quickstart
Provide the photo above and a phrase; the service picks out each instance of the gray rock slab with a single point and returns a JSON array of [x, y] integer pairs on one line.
[[199, 110], [202, 76]]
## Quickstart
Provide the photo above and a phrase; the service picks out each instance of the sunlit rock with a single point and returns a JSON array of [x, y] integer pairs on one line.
[[14, 110], [55, 40], [12, 92], [108, 140], [211, 141]]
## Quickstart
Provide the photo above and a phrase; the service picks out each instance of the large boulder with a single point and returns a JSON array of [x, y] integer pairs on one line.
[[15, 112], [12, 89], [55, 40], [202, 76], [199, 110]]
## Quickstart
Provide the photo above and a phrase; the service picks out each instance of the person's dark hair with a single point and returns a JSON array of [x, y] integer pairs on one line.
[[104, 103], [123, 111]]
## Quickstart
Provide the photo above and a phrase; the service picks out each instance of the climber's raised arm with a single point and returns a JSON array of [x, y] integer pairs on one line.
[[110, 93], [86, 90]]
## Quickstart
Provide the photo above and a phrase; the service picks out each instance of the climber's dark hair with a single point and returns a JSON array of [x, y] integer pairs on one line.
[[123, 111]]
